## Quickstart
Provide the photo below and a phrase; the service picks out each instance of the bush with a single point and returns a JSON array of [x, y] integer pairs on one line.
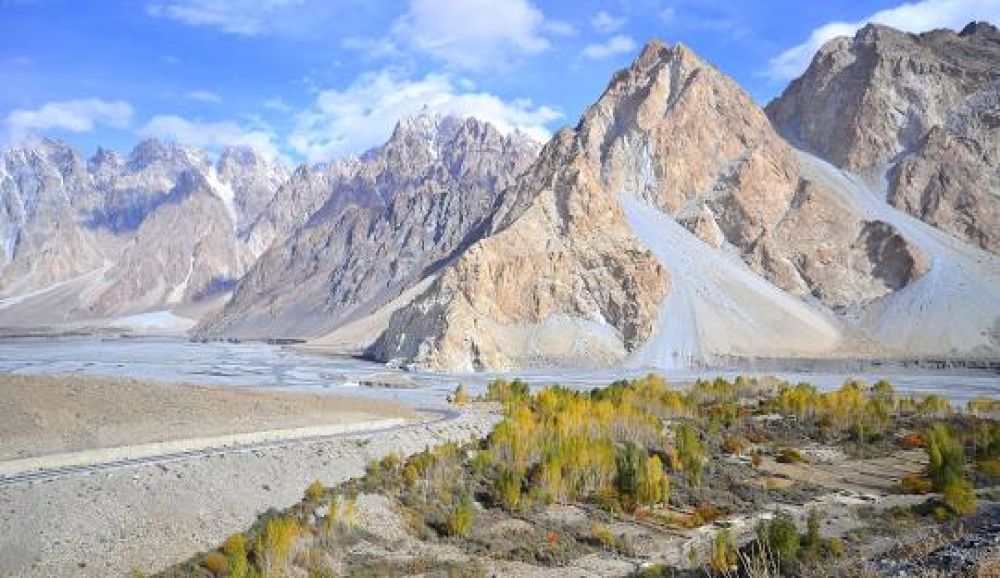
[[690, 452], [460, 519], [603, 535], [508, 489], [946, 456], [724, 555], [781, 537], [216, 563], [235, 549], [630, 462], [989, 467], [960, 497], [461, 395], [732, 445], [275, 544], [314, 493], [912, 440], [506, 391], [915, 484], [789, 456], [705, 513]]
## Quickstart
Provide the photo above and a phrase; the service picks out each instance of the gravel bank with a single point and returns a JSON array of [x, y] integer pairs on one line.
[[111, 522], [66, 413]]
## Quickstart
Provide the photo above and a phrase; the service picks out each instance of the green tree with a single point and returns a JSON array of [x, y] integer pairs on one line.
[[462, 516], [780, 537], [724, 556], [690, 452], [630, 464]]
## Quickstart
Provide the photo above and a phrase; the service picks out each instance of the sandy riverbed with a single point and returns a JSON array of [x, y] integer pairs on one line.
[[67, 413]]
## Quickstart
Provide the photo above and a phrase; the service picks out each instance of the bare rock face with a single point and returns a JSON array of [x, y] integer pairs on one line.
[[181, 252], [152, 230], [43, 240], [560, 276], [921, 109], [560, 279], [390, 219], [254, 179]]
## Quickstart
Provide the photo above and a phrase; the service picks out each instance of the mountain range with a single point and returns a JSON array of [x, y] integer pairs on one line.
[[856, 215]]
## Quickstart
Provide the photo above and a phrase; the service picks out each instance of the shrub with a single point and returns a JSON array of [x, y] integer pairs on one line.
[[654, 484], [235, 549], [508, 489], [989, 467], [461, 395], [275, 544], [835, 546], [690, 453], [732, 445], [314, 493], [630, 462], [915, 484], [506, 391], [960, 497], [216, 563], [781, 537], [947, 470], [460, 519], [789, 456], [603, 535], [706, 513], [349, 515], [724, 555]]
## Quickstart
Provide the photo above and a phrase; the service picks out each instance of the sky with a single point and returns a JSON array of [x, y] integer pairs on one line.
[[314, 80]]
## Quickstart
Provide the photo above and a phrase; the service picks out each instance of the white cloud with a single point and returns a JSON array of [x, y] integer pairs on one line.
[[912, 17], [613, 46], [212, 136], [71, 115], [604, 23], [363, 115], [475, 34], [277, 104], [241, 17], [203, 96]]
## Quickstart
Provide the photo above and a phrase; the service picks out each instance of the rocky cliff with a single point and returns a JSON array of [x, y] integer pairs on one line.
[[916, 114], [390, 219], [115, 235], [565, 272]]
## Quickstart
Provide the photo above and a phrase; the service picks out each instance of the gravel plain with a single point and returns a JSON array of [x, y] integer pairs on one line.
[[111, 522]]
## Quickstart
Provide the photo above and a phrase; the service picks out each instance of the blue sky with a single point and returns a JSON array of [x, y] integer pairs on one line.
[[317, 79]]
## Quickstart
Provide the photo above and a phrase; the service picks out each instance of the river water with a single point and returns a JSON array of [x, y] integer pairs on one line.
[[258, 365]]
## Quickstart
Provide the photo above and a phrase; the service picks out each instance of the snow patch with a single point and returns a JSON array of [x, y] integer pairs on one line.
[[224, 191]]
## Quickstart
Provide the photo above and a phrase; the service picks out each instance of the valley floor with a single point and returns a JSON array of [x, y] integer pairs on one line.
[[108, 520]]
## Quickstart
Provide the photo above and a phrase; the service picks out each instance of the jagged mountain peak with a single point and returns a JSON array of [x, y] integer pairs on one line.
[[980, 27], [154, 151], [105, 157], [913, 113]]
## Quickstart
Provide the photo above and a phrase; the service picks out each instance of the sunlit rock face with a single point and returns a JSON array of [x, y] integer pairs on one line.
[[916, 114]]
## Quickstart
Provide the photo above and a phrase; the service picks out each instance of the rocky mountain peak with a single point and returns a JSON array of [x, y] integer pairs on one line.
[[980, 28], [105, 157], [915, 111]]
